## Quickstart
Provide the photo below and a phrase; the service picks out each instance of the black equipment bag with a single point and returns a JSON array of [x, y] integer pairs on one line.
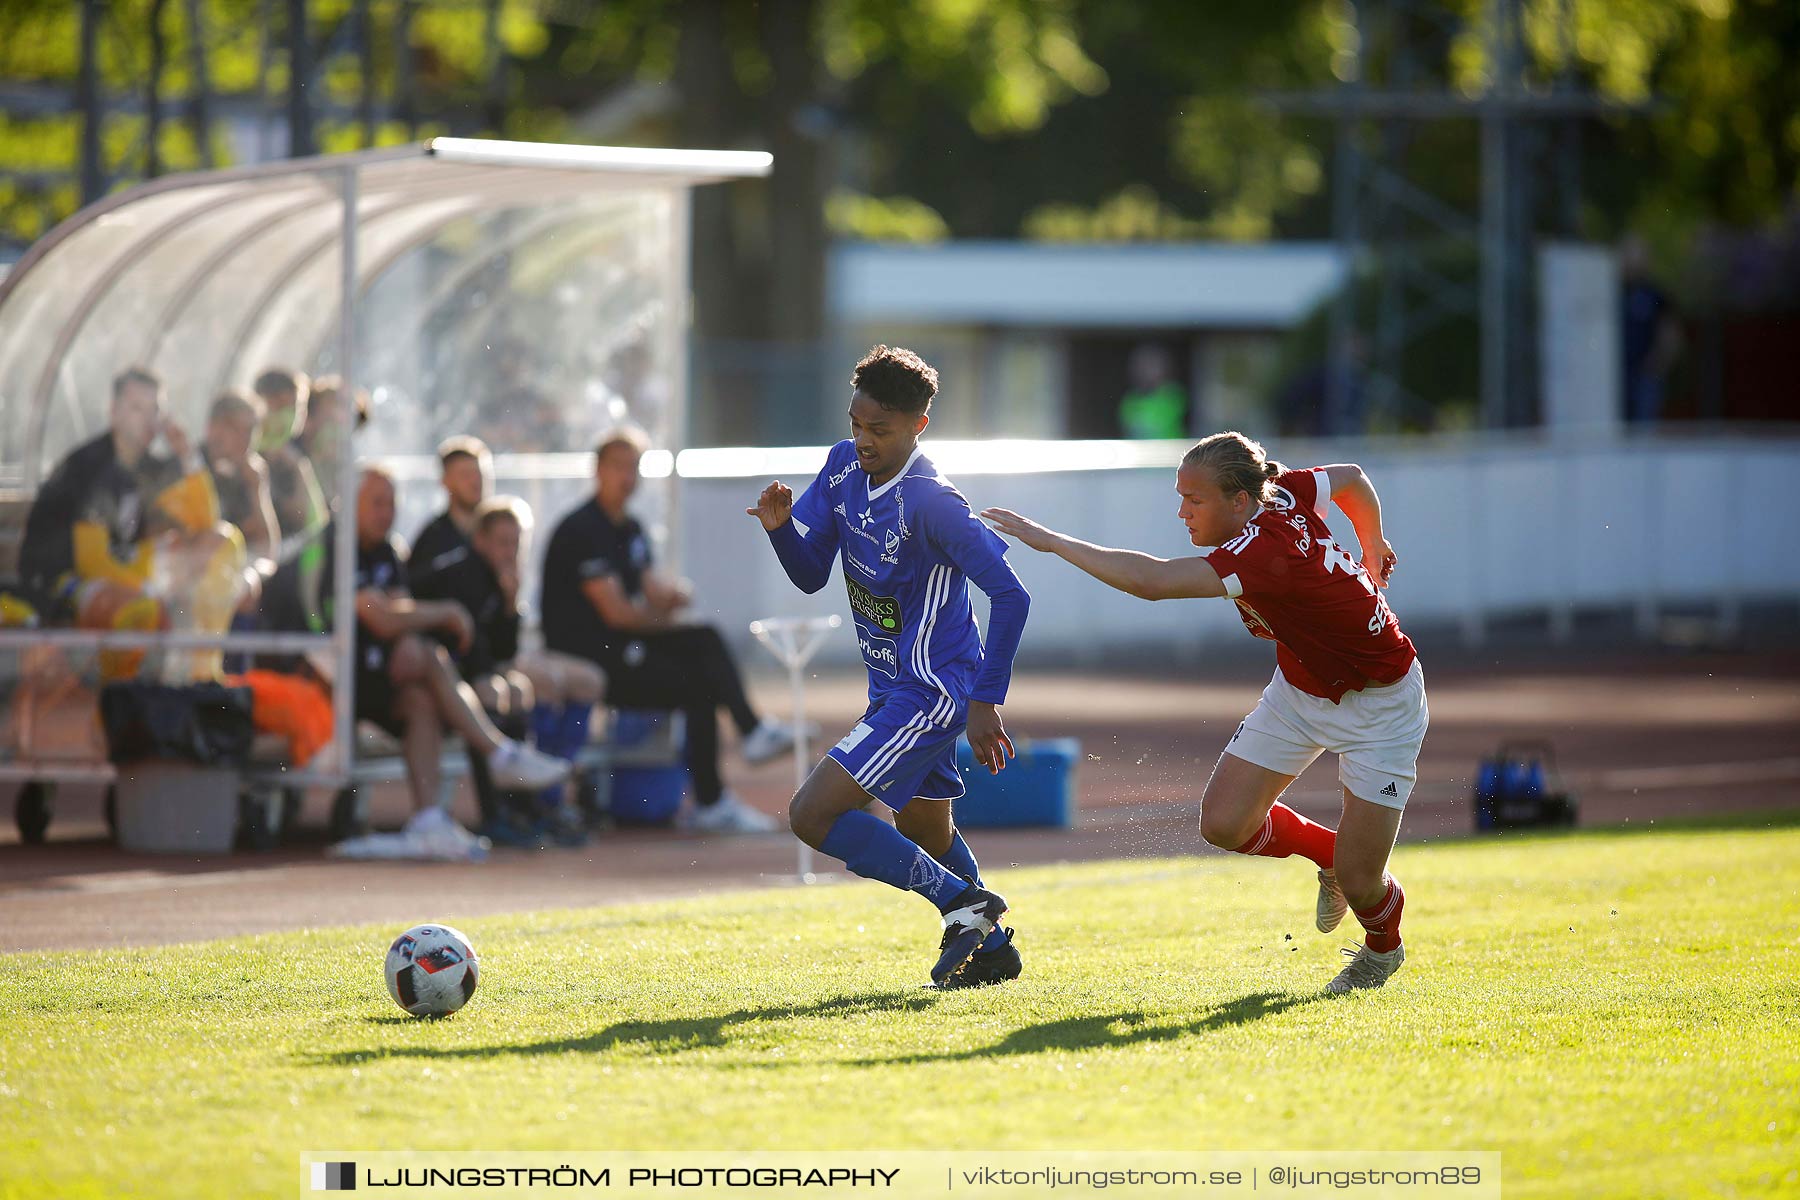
[[204, 723]]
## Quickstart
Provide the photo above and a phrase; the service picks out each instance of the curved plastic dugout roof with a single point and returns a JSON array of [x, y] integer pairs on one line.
[[186, 272]]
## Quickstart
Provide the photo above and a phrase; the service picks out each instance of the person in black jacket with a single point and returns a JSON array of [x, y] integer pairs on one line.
[[605, 601], [91, 519], [404, 681], [468, 478], [555, 691], [123, 537], [482, 576]]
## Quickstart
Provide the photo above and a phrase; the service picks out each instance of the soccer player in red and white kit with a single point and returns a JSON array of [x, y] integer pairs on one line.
[[1346, 679]]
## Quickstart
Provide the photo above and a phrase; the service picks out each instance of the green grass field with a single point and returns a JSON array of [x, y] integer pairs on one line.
[[1615, 1012]]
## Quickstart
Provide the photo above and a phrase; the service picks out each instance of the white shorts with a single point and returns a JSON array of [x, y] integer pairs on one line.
[[1376, 734]]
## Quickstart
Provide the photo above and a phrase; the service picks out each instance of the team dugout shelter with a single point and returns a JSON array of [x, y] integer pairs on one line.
[[529, 293]]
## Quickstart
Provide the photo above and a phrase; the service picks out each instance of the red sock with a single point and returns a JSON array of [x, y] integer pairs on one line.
[[1382, 919], [1286, 832]]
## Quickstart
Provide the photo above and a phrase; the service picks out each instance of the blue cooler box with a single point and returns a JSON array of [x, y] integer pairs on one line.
[[1037, 789], [647, 795], [644, 794]]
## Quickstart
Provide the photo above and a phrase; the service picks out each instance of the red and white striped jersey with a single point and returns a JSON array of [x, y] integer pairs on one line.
[[1333, 631]]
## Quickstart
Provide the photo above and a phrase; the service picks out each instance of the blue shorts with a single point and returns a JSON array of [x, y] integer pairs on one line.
[[896, 753]]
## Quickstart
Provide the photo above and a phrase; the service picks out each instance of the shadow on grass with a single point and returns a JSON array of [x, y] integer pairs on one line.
[[664, 1037], [1107, 1030]]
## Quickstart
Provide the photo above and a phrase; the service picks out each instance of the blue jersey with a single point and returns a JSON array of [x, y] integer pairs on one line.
[[909, 549]]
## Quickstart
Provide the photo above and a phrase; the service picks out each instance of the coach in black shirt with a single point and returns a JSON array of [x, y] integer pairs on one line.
[[468, 478], [468, 577], [403, 681], [604, 599]]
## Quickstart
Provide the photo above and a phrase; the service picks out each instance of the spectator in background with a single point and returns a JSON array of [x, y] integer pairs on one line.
[[604, 600], [559, 691], [321, 437], [300, 506], [483, 573], [1650, 332], [239, 474], [88, 521], [119, 528], [468, 478], [405, 682], [486, 585], [1155, 405]]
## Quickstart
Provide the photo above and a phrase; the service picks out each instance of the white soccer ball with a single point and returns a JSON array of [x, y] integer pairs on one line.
[[431, 970]]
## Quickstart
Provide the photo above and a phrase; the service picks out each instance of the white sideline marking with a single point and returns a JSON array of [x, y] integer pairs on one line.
[[1433, 795], [142, 881], [1767, 770]]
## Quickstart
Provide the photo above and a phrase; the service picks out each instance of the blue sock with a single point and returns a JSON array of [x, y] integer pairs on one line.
[[543, 725], [571, 734], [874, 849], [559, 731], [572, 729], [961, 861]]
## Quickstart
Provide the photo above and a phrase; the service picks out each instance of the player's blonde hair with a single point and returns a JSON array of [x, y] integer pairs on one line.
[[1238, 464], [503, 508]]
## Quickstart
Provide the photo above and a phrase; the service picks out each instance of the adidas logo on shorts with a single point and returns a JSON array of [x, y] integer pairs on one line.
[[1390, 790]]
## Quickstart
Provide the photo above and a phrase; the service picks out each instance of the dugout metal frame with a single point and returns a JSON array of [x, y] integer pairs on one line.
[[279, 222]]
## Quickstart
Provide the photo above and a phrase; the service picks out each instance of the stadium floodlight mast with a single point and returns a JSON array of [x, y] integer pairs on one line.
[[794, 640]]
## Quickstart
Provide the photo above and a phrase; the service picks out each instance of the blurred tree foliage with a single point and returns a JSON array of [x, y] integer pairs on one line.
[[1064, 119]]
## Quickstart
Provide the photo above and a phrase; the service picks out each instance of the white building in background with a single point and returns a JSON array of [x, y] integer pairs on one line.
[[1042, 333]]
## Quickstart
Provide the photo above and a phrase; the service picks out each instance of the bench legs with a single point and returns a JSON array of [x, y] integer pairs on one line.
[[32, 810]]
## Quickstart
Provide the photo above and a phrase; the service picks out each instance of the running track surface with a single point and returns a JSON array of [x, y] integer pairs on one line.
[[1639, 736]]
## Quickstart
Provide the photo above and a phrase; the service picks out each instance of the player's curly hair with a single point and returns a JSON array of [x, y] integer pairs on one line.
[[1238, 464], [896, 378]]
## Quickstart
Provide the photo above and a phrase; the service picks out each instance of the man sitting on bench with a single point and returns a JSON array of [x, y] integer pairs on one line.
[[603, 600], [120, 536], [565, 687], [405, 682], [483, 577], [468, 479], [239, 474]]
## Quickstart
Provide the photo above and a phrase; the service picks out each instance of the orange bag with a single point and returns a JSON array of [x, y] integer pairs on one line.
[[290, 705]]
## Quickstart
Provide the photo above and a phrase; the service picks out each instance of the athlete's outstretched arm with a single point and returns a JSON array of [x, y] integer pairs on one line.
[[805, 557], [1141, 575], [1352, 492]]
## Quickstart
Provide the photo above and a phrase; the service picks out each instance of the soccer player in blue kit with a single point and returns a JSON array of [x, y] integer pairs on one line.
[[910, 547]]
